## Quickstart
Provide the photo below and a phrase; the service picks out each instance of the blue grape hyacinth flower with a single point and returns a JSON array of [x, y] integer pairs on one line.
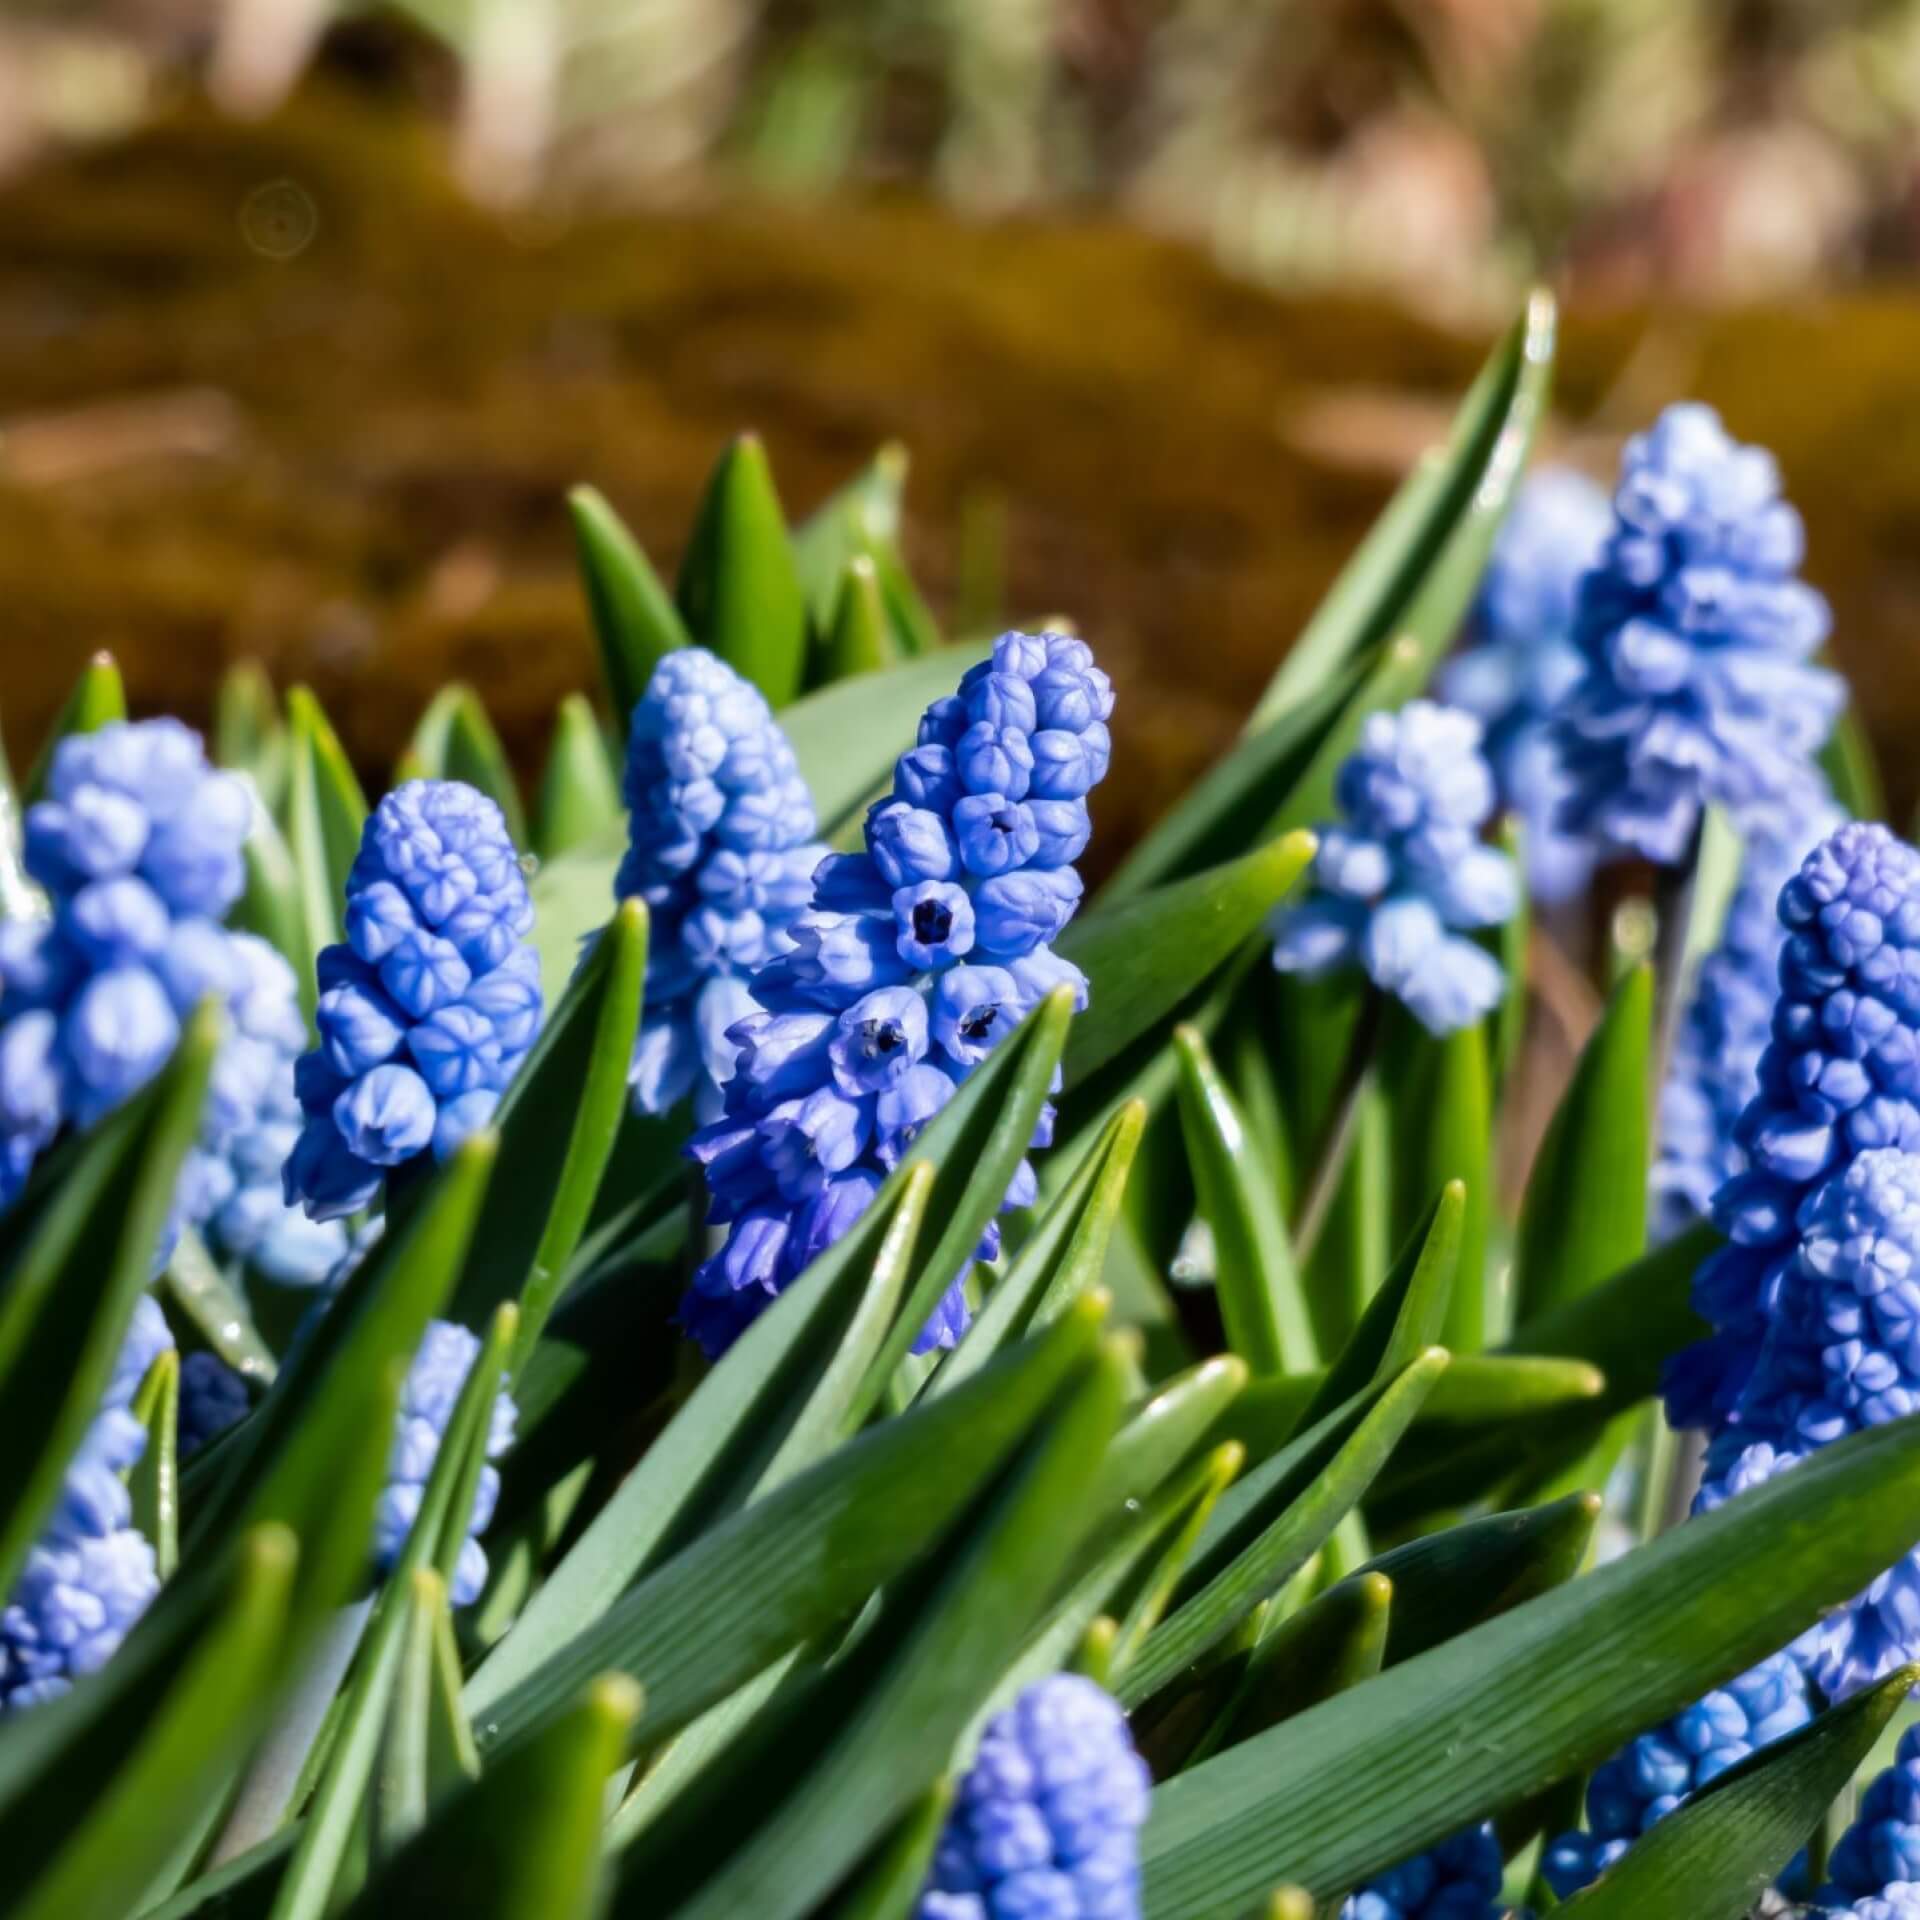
[[1457, 1880], [1046, 1823], [138, 846], [913, 962], [1874, 1870], [429, 1004], [213, 1397], [427, 1400], [1661, 1770], [92, 1573], [1520, 663], [721, 848], [1840, 1076], [1698, 639], [1714, 1071], [1398, 885]]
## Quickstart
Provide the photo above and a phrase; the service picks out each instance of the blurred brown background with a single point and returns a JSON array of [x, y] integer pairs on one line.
[[308, 316]]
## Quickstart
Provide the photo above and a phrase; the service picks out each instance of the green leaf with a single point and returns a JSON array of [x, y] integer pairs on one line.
[[856, 638], [1456, 1578], [402, 1790], [754, 1586], [1712, 1858], [1258, 1288], [580, 790], [325, 1427], [1167, 1428], [95, 1854], [154, 1482], [523, 1842], [249, 732], [309, 1883], [218, 1308], [1852, 770], [634, 620], [273, 905], [1063, 1255], [557, 1127], [455, 740], [1406, 1314], [1267, 1527], [1564, 1679], [325, 812], [812, 1788], [1507, 1025], [863, 514], [75, 1252], [1440, 1124], [1585, 1212], [888, 1886], [1451, 500], [1148, 954], [98, 699], [738, 590], [1331, 1644]]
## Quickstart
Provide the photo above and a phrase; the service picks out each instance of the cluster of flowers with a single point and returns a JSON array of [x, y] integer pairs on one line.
[[1697, 639], [1046, 1822], [721, 848], [912, 962], [1398, 885], [1521, 664], [92, 1574], [1874, 1871], [428, 1005], [1660, 1770], [1457, 1880]]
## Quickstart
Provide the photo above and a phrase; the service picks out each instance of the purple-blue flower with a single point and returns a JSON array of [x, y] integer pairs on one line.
[[427, 1400], [1874, 1870], [1046, 1822], [1520, 663], [426, 1008], [1698, 639], [92, 1573], [1839, 1076], [910, 964], [1714, 1071], [721, 848], [1399, 884], [1656, 1773], [213, 1397], [1457, 1880]]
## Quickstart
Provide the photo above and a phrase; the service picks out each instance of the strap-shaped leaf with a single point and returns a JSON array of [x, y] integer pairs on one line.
[[524, 1841], [1585, 1211], [87, 1841], [758, 1584], [249, 730], [1439, 1099], [1265, 1530], [455, 740], [216, 1304], [1488, 441], [738, 590], [99, 697], [402, 1790], [271, 904], [634, 619], [1256, 1282], [1456, 1578], [1167, 1428], [888, 1886], [308, 1885], [1715, 1856], [1406, 1315], [325, 812], [1507, 1024], [76, 1248], [1062, 1257], [811, 1790], [1148, 954], [579, 794], [331, 1403], [857, 516], [1393, 1766], [154, 1483], [557, 1127], [856, 637], [1850, 765]]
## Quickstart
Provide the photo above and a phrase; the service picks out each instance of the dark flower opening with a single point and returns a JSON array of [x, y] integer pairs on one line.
[[932, 923], [977, 1023]]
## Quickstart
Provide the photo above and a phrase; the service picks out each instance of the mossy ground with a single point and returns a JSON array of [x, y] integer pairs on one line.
[[350, 462]]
